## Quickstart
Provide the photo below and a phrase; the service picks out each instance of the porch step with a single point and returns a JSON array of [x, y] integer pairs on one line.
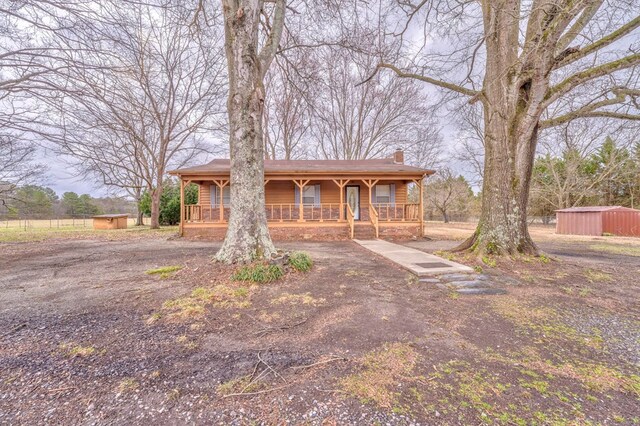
[[364, 232]]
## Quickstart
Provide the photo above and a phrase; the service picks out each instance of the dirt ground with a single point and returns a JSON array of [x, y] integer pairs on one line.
[[88, 336]]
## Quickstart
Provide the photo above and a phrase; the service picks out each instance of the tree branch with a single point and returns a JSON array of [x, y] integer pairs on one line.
[[270, 48], [594, 47], [435, 82], [591, 110], [577, 79], [586, 16]]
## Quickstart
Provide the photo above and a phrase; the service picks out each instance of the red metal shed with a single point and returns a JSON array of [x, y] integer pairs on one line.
[[598, 220]]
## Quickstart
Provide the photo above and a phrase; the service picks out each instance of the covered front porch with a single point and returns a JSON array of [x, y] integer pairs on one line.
[[314, 201]]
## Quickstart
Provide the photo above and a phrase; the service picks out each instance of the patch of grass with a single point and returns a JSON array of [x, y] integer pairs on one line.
[[595, 276], [298, 299], [584, 292], [452, 294], [381, 371], [73, 350], [478, 269], [544, 321], [220, 296], [164, 272], [592, 376], [240, 385], [445, 254], [184, 307], [127, 385], [153, 318], [490, 262], [543, 258], [258, 273], [624, 249], [540, 385], [300, 261]]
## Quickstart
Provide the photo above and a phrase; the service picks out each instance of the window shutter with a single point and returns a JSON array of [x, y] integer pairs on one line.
[[296, 194], [392, 193], [214, 195], [316, 200], [374, 195]]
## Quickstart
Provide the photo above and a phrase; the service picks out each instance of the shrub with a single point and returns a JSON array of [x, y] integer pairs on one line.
[[300, 261], [258, 273]]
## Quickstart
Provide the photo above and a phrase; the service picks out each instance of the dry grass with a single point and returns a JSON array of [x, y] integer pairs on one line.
[[240, 385], [595, 276], [381, 371], [19, 235], [127, 385], [461, 230], [220, 296], [74, 350], [543, 322], [624, 249], [298, 299]]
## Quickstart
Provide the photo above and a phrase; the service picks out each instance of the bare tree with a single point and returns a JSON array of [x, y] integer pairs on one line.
[[17, 166], [145, 87], [25, 62], [247, 63], [287, 115], [531, 65], [356, 121], [447, 194], [470, 148]]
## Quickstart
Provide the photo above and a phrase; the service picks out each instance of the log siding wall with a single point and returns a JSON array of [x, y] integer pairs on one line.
[[282, 192]]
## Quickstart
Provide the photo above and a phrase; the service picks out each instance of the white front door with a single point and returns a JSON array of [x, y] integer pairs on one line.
[[353, 200]]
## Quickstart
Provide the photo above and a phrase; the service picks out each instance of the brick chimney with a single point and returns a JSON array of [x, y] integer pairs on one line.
[[398, 156]]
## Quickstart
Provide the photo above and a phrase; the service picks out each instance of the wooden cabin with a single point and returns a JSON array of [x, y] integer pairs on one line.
[[314, 199]]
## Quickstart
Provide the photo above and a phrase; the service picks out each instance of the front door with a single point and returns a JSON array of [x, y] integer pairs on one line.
[[353, 199]]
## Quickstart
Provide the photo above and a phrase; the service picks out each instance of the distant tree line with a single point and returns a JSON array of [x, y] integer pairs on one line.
[[608, 176], [39, 202]]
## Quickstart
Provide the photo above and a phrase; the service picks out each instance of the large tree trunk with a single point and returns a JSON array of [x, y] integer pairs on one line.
[[514, 89], [155, 207], [247, 236]]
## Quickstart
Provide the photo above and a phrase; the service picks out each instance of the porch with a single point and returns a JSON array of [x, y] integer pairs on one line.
[[350, 204]]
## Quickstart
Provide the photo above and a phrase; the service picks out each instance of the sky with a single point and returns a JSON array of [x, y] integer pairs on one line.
[[60, 177]]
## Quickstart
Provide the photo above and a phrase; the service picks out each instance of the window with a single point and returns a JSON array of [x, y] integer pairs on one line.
[[309, 194], [383, 194], [215, 195]]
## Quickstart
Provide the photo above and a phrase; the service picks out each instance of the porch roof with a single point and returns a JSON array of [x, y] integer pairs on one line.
[[385, 166]]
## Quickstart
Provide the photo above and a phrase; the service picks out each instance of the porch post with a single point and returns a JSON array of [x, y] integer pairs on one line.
[[341, 184], [182, 216], [370, 183], [221, 184], [301, 184], [221, 203], [422, 207]]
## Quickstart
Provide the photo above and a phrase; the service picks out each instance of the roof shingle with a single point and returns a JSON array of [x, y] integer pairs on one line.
[[385, 165]]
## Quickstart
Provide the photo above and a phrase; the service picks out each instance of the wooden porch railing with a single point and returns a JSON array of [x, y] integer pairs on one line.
[[375, 213], [397, 212], [351, 220], [200, 213], [310, 212], [373, 217]]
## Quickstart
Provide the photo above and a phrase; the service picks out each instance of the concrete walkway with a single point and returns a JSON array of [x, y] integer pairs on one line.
[[415, 261]]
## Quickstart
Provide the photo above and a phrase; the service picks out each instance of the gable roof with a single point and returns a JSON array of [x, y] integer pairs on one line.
[[593, 209], [384, 165]]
